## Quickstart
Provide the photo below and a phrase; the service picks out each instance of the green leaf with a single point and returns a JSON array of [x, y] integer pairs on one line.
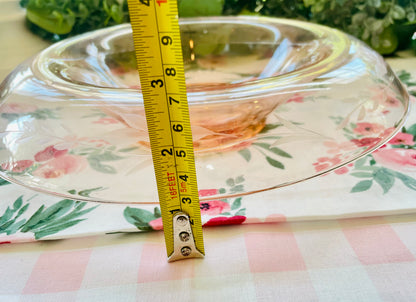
[[10, 116], [33, 220], [412, 130], [139, 218], [50, 19], [362, 186], [230, 182], [246, 154], [398, 12], [236, 204], [275, 163], [376, 26], [280, 152], [275, 150], [129, 149], [263, 145], [44, 216], [12, 229], [385, 179], [196, 8], [56, 210], [4, 182], [43, 114], [237, 188], [98, 166], [361, 162], [157, 213], [404, 76], [367, 168], [22, 210], [106, 156], [79, 204], [408, 181], [6, 216], [374, 3], [55, 228], [362, 174], [18, 203], [64, 219], [239, 179], [274, 137], [269, 127], [87, 192], [241, 212], [5, 226]]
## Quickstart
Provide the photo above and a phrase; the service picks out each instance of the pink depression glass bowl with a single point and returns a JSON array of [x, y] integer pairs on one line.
[[267, 98]]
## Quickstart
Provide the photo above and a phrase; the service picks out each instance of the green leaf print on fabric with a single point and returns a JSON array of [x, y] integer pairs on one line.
[[19, 110], [407, 180], [263, 146], [384, 178], [43, 114], [368, 168], [363, 185], [214, 212], [275, 163], [269, 152], [246, 154], [98, 158], [46, 220], [274, 150], [236, 204], [4, 182], [406, 78], [141, 218]]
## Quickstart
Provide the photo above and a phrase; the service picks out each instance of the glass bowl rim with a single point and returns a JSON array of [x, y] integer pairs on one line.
[[339, 41]]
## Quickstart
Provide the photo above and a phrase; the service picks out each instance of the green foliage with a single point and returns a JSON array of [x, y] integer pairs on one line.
[[3, 182], [362, 186], [246, 154], [46, 220], [140, 218], [406, 78], [235, 184], [98, 158], [58, 19], [276, 8], [195, 8], [275, 150], [384, 177], [265, 148], [236, 204], [385, 25]]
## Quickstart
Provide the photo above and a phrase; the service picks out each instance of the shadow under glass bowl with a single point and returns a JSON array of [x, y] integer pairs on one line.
[[266, 97]]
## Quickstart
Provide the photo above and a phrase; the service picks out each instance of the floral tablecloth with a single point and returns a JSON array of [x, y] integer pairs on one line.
[[383, 182]]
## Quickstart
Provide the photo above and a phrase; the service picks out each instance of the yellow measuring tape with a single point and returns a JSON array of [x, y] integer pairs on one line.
[[158, 52]]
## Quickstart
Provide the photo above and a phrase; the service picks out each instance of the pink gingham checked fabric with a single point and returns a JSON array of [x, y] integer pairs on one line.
[[362, 259]]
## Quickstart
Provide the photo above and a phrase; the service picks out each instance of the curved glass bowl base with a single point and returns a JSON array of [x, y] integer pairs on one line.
[[282, 103]]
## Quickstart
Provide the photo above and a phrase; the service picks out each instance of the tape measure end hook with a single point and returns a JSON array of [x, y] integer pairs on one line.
[[183, 239]]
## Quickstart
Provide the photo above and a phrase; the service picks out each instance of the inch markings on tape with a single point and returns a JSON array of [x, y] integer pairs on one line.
[[159, 58]]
